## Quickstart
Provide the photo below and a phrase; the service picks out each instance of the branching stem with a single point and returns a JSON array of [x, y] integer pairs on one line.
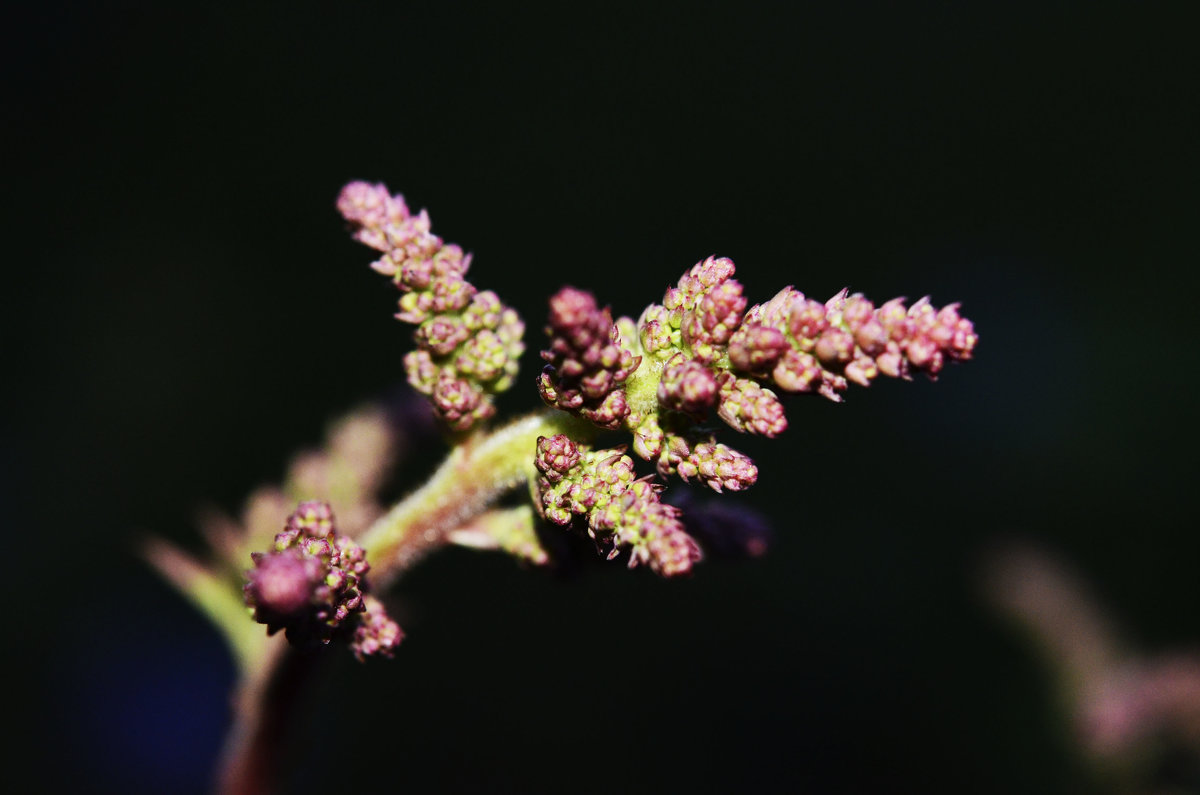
[[476, 473]]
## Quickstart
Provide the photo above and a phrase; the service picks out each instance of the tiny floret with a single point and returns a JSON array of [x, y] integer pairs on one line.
[[312, 584]]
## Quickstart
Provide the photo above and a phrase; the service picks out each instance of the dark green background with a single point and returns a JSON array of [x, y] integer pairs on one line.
[[184, 311]]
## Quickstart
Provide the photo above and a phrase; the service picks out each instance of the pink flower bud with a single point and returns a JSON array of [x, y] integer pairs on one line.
[[376, 635], [281, 585], [755, 348], [806, 321], [687, 386], [588, 365], [797, 371], [749, 408], [834, 347]]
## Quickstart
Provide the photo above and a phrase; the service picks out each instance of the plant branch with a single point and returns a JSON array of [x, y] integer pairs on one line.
[[475, 474], [264, 704]]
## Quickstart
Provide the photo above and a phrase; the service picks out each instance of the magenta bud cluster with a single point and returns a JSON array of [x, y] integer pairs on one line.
[[802, 345], [621, 510], [587, 365], [468, 342], [702, 351], [312, 584]]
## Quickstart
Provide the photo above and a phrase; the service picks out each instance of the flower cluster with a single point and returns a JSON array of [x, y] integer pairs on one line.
[[621, 511], [702, 350], [802, 345], [313, 586], [468, 342], [587, 365]]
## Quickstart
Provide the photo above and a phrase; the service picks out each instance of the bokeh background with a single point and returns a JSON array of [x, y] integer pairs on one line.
[[185, 311]]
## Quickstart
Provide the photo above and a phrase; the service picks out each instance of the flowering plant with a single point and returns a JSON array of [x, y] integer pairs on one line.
[[309, 559]]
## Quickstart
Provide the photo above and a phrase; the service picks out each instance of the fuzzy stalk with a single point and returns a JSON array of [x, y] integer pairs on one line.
[[476, 473], [264, 704]]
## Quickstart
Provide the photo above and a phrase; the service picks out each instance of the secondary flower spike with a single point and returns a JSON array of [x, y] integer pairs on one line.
[[621, 511], [312, 585], [587, 363], [468, 342]]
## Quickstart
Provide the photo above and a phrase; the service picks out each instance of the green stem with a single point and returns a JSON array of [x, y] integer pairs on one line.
[[476, 473]]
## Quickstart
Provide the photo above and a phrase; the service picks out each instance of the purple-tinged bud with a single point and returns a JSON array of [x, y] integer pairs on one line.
[[588, 364], [281, 585], [312, 520], [894, 319], [556, 456], [610, 413], [960, 338], [376, 634], [806, 321], [892, 362], [459, 403], [923, 316], [797, 372], [675, 450], [703, 276], [483, 357], [835, 348], [442, 334], [856, 311], [862, 370], [484, 311], [449, 294], [719, 467], [832, 386], [687, 386], [370, 209], [421, 370], [655, 330], [718, 312], [748, 407], [669, 551], [833, 307], [755, 348], [648, 438], [776, 312], [924, 354], [871, 337]]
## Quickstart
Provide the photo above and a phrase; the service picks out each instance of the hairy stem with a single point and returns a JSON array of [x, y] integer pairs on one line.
[[264, 704], [476, 473]]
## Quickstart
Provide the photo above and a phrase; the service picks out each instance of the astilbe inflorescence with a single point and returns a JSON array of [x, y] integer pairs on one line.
[[468, 342], [312, 584], [701, 350], [587, 363], [620, 510]]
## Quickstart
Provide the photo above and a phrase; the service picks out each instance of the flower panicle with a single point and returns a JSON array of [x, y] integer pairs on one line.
[[621, 510], [468, 342], [312, 584], [587, 364], [703, 351]]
